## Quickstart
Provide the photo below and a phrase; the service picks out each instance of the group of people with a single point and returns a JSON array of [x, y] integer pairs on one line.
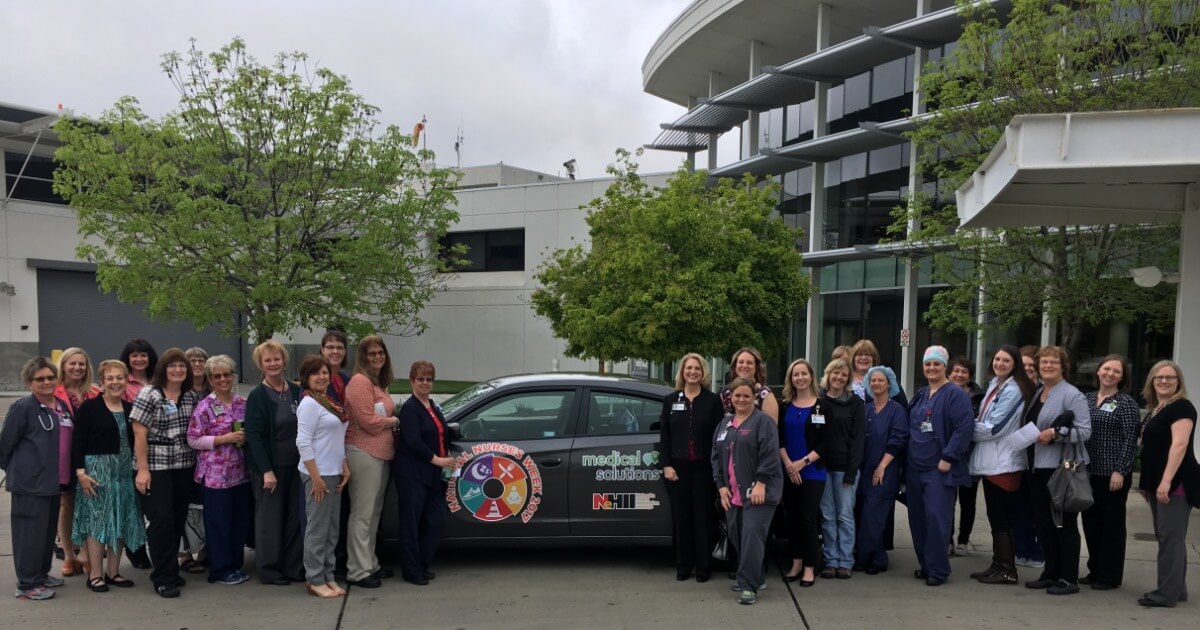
[[839, 448], [298, 469]]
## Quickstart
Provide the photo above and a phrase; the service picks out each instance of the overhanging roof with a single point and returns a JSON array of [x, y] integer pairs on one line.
[[1086, 169], [868, 137]]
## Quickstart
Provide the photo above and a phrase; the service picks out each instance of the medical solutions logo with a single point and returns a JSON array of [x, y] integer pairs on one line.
[[618, 466]]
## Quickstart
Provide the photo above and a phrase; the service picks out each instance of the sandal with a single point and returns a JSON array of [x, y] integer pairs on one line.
[[190, 565], [97, 585], [118, 581], [828, 573]]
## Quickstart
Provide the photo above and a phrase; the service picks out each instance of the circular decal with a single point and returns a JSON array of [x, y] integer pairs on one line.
[[495, 482]]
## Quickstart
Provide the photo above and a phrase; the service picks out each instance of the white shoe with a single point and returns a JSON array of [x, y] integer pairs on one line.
[[961, 549]]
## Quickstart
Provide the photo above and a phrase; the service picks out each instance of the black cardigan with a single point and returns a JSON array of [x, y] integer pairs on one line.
[[417, 442], [96, 431], [706, 413], [845, 433]]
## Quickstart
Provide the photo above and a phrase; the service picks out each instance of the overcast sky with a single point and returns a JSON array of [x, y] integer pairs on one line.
[[531, 82]]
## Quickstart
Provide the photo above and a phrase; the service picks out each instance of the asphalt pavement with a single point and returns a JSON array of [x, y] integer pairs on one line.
[[526, 589]]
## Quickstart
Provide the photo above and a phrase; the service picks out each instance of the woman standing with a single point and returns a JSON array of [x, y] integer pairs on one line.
[[106, 514], [217, 432], [197, 358], [844, 417], [193, 555], [1116, 420], [689, 417], [29, 458], [962, 374], [940, 424], [165, 464], [422, 467], [1170, 479], [885, 441], [369, 451], [141, 359], [1025, 539], [747, 363], [749, 480], [321, 441], [273, 460], [74, 387], [1001, 466], [801, 442], [1060, 576]]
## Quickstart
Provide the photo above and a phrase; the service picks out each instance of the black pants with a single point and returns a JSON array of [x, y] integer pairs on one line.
[[165, 505], [1061, 544], [278, 543], [1000, 505], [339, 552], [802, 509], [423, 515], [693, 516], [34, 521], [1104, 528], [967, 496]]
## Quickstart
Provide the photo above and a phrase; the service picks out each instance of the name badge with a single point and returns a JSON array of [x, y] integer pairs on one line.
[[171, 408], [721, 435], [679, 407], [926, 427], [818, 419], [1108, 406]]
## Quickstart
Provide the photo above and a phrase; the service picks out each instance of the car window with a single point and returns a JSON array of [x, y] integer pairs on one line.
[[521, 416], [614, 414]]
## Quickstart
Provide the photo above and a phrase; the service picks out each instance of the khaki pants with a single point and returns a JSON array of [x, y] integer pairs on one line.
[[368, 482]]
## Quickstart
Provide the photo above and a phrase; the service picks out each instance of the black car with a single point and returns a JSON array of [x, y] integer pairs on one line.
[[555, 458]]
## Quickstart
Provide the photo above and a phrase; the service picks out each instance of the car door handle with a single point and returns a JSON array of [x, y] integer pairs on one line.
[[550, 462]]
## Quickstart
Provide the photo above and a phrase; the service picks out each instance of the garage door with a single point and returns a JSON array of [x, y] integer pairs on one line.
[[72, 311]]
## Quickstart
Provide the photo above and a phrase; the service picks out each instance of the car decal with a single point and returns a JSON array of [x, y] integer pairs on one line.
[[498, 481], [624, 501], [618, 466]]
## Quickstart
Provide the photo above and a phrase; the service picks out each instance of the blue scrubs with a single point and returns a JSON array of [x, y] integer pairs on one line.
[[887, 432]]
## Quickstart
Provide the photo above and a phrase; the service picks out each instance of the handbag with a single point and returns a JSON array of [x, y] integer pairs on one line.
[[721, 549], [1069, 486]]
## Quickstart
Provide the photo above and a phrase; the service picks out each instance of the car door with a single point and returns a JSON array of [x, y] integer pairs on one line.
[[512, 475], [616, 485]]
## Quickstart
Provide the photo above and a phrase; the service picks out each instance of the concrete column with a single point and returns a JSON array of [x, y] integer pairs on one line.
[[753, 125], [909, 354], [816, 214], [714, 83], [1187, 302]]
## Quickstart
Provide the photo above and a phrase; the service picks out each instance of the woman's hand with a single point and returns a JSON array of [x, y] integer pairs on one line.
[[87, 484], [670, 474], [269, 481], [237, 438], [1046, 436], [142, 481], [725, 502], [943, 466], [345, 477], [319, 489], [443, 462], [1163, 494], [877, 476], [758, 493], [1116, 481]]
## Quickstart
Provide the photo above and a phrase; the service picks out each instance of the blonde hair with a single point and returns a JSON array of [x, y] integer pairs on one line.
[[841, 352], [88, 376], [1151, 396], [268, 345], [705, 378], [834, 365], [112, 364], [789, 391], [866, 346]]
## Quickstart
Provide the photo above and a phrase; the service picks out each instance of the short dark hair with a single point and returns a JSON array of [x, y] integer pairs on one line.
[[140, 345], [964, 362], [35, 365], [337, 335], [419, 367], [172, 355], [310, 366]]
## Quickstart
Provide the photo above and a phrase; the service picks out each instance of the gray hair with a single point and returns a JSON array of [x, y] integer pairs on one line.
[[219, 361], [35, 365]]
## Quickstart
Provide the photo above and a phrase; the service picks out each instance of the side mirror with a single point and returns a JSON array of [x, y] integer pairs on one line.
[[454, 431]]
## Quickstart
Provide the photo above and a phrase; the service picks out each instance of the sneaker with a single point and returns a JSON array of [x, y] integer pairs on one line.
[[961, 550], [52, 582], [167, 590], [735, 587], [37, 593], [1063, 587], [1030, 562], [747, 597], [236, 577]]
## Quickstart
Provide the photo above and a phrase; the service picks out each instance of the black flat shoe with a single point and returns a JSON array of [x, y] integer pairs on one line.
[[920, 574], [807, 583], [118, 581], [279, 581], [934, 581], [1040, 583], [1150, 603], [418, 581], [679, 577], [367, 582], [788, 579], [383, 574], [97, 585], [138, 558], [429, 575], [1087, 579], [703, 577], [874, 570], [1100, 586]]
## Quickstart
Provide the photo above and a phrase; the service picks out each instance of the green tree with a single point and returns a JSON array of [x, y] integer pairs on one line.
[[1079, 56], [685, 268], [272, 192]]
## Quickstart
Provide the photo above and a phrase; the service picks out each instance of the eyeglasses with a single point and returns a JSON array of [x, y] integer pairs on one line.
[[377, 353], [423, 379], [220, 377], [331, 347], [44, 379], [1166, 378]]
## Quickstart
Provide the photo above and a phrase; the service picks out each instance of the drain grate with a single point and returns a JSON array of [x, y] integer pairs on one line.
[[1144, 537]]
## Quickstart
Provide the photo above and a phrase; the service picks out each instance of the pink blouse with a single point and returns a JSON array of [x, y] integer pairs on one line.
[[369, 432], [221, 466]]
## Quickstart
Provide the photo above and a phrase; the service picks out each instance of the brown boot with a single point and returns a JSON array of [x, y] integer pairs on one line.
[[1006, 565]]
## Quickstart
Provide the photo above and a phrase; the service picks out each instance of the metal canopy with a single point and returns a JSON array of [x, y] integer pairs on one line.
[[867, 137], [1095, 168]]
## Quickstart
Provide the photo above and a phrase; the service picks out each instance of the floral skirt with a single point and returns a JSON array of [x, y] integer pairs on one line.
[[113, 514]]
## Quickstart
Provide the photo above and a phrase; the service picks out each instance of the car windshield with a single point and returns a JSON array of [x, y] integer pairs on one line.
[[466, 396]]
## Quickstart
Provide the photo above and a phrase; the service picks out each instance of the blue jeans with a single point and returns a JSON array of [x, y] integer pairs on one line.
[[837, 521]]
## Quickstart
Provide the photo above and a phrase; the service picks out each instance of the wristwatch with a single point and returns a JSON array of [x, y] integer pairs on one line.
[[806, 460]]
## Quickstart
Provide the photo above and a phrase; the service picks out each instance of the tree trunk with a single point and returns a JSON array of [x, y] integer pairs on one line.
[[602, 370]]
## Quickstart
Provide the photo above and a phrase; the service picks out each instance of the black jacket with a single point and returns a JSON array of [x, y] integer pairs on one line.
[[696, 423], [845, 433], [96, 431], [417, 442]]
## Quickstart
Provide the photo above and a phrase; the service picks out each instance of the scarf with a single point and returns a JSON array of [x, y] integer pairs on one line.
[[329, 405]]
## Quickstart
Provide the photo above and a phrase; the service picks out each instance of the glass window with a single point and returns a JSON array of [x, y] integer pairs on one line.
[[850, 274], [775, 128], [616, 414], [522, 416], [880, 273], [36, 182], [857, 95], [910, 69], [808, 110], [792, 122], [833, 99], [885, 159], [492, 250], [887, 81], [854, 167], [829, 278]]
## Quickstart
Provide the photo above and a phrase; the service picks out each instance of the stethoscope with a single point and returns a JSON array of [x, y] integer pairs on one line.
[[44, 416]]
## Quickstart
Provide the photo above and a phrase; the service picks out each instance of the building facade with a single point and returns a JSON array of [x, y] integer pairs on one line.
[[821, 92]]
